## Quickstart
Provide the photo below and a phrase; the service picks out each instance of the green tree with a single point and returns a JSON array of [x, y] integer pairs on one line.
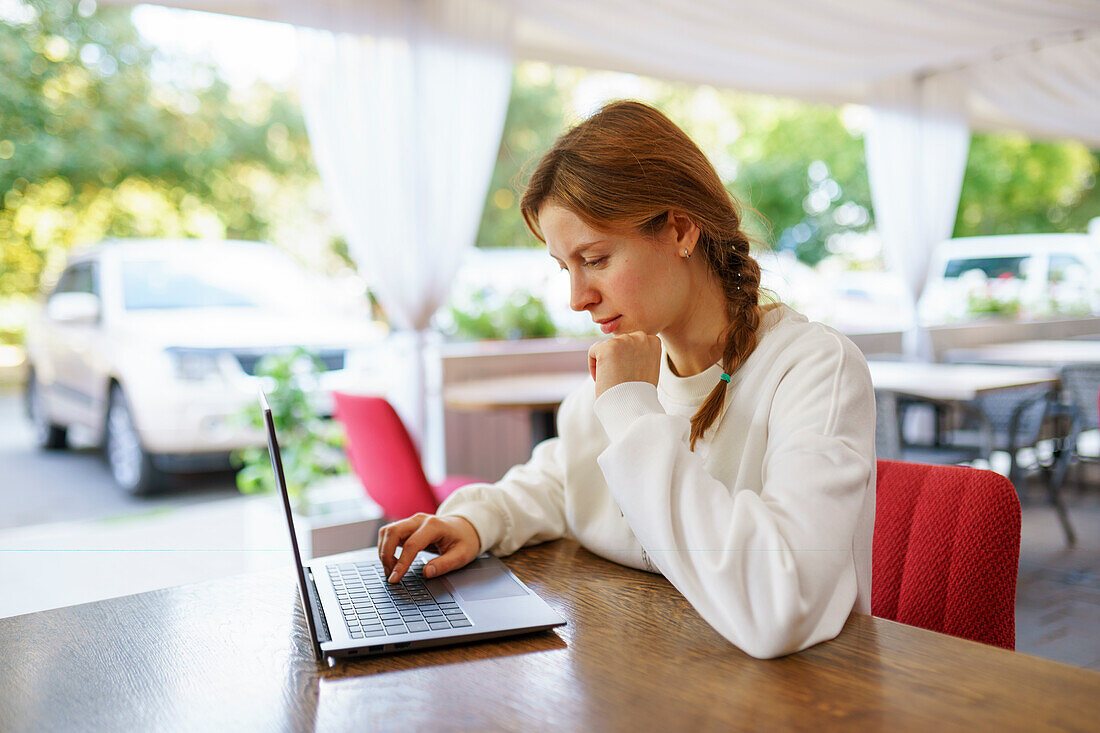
[[802, 172], [536, 116], [1015, 186], [90, 146], [777, 149], [798, 168]]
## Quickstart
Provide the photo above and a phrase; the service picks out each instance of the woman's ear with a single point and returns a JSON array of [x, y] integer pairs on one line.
[[683, 229]]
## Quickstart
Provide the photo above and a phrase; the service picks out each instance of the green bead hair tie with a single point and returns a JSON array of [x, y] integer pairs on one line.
[[725, 378]]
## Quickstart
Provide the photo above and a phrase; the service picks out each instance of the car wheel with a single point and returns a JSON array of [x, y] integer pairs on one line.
[[131, 466], [47, 435]]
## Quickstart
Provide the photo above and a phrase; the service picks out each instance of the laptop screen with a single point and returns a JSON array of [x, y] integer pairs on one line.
[[280, 481]]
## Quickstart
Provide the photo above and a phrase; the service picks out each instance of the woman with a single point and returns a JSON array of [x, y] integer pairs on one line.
[[724, 444]]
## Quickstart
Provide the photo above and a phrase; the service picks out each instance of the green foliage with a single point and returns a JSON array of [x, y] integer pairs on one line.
[[536, 116], [99, 137], [803, 173], [1015, 186], [521, 315], [800, 169], [771, 146], [311, 446], [988, 305], [91, 147]]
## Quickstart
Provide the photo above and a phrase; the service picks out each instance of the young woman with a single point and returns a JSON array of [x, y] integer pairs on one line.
[[725, 444]]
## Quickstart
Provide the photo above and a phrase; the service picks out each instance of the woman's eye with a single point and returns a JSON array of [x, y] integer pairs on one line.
[[596, 262]]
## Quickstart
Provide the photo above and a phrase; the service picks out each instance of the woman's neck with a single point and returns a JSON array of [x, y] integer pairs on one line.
[[694, 346]]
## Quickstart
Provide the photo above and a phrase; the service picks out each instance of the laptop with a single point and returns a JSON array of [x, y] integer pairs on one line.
[[351, 610]]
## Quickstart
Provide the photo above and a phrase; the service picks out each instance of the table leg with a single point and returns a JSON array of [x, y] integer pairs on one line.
[[543, 426]]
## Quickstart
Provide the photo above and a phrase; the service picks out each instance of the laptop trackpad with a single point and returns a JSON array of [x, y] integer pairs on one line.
[[484, 584]]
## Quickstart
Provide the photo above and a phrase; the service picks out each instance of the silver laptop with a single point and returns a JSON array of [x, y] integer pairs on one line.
[[351, 610]]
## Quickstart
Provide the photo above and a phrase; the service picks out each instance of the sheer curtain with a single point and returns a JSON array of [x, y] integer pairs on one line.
[[917, 142], [405, 122]]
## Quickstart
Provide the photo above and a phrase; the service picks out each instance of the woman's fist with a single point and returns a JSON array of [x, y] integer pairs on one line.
[[627, 357]]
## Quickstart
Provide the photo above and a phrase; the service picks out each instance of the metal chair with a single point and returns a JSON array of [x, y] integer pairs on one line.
[[1081, 389], [1027, 418], [891, 443], [1017, 417]]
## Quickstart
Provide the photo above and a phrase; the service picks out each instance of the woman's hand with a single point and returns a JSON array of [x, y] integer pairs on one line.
[[628, 357], [454, 538]]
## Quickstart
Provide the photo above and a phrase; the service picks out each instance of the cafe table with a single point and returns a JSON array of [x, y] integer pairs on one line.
[[233, 654], [1052, 353], [541, 394], [955, 382]]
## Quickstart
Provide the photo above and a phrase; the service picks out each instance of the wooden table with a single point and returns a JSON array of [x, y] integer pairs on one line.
[[954, 382], [540, 394], [233, 654], [1054, 354]]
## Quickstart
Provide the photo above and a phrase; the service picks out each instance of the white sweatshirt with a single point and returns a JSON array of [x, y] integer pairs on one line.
[[765, 528]]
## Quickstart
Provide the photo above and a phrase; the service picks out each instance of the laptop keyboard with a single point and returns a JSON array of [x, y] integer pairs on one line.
[[374, 607]]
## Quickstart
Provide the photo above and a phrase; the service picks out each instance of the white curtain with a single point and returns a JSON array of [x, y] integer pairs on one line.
[[917, 142], [405, 125]]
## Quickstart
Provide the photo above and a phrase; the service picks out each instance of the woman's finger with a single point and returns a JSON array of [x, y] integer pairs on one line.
[[393, 535], [430, 530], [592, 360]]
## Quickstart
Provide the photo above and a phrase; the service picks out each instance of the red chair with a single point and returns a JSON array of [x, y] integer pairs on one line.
[[946, 550], [383, 456]]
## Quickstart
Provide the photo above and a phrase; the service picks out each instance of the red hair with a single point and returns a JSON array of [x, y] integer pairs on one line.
[[627, 167]]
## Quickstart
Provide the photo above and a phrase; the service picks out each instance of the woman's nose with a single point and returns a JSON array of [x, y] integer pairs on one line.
[[581, 294]]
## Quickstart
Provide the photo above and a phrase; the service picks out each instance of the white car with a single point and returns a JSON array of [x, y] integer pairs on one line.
[[152, 346], [1042, 274]]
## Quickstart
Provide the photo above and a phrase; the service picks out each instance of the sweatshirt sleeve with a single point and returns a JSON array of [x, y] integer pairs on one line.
[[525, 507], [772, 572]]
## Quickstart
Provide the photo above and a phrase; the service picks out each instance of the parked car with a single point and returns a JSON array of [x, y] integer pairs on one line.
[[153, 345], [1038, 275]]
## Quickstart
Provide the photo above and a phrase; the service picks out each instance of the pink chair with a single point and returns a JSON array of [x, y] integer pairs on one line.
[[383, 456]]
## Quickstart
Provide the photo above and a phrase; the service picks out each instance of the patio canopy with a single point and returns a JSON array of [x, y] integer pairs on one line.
[[1029, 65], [429, 80]]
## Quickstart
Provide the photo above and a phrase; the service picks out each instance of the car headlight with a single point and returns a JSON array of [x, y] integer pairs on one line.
[[192, 365]]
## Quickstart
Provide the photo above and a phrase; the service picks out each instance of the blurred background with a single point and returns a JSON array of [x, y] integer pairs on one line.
[[158, 124]]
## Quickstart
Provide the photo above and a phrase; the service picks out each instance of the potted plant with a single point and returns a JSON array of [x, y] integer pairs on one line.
[[332, 512], [487, 315], [997, 297]]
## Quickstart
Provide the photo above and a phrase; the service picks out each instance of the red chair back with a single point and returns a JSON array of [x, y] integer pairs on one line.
[[946, 550], [383, 455]]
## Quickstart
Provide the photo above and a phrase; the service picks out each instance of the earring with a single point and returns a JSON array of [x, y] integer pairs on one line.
[[687, 255]]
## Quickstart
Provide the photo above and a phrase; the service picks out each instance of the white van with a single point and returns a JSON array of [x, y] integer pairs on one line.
[[1030, 275]]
